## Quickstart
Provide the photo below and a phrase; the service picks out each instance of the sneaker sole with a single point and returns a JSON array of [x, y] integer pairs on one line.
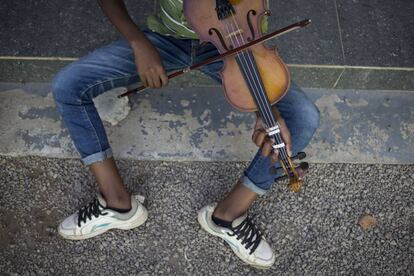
[[204, 225], [134, 223]]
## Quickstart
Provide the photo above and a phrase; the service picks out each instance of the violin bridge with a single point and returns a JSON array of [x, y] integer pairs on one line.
[[235, 33]]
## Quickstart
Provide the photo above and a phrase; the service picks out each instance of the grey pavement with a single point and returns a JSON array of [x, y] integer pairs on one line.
[[315, 232], [349, 45]]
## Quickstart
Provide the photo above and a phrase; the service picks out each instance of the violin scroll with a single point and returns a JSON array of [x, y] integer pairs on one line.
[[293, 173]]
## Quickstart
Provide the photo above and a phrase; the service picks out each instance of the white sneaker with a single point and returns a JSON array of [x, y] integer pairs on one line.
[[244, 238], [95, 219]]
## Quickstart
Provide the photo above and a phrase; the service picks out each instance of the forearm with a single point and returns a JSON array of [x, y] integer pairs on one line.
[[117, 13]]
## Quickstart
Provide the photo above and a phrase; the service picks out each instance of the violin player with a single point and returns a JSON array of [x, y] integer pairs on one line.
[[146, 56]]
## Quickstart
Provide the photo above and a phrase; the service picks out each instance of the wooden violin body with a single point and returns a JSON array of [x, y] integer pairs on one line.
[[232, 32], [253, 79]]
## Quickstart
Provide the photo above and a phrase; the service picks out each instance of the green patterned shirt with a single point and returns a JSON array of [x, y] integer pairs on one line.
[[171, 21]]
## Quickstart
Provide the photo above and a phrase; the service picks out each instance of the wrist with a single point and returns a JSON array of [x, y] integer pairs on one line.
[[137, 42], [136, 45]]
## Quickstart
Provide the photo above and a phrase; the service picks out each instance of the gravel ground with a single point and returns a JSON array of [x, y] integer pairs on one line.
[[315, 232]]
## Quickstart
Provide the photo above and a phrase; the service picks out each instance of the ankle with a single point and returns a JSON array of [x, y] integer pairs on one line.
[[226, 214], [122, 202]]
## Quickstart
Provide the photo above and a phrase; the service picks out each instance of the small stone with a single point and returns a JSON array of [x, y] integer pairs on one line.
[[367, 222]]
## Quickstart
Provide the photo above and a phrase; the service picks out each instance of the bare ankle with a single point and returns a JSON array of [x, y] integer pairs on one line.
[[225, 214], [119, 201]]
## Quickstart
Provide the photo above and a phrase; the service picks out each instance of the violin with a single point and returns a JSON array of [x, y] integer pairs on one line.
[[254, 76]]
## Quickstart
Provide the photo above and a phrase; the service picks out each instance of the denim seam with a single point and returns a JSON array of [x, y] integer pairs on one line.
[[84, 109], [192, 52], [105, 154], [94, 130], [248, 183], [101, 83]]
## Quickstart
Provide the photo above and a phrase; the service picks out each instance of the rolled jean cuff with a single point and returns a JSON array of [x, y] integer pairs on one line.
[[96, 157], [250, 185]]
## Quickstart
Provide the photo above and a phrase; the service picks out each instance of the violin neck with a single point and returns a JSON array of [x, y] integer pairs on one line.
[[249, 69]]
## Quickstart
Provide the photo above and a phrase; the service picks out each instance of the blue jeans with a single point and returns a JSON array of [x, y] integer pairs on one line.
[[113, 66]]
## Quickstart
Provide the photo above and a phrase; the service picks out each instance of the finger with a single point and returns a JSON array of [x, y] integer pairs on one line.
[[288, 142], [156, 80], [286, 137], [163, 77], [150, 81], [144, 80], [152, 78], [254, 136], [267, 148], [259, 124], [274, 156], [260, 138]]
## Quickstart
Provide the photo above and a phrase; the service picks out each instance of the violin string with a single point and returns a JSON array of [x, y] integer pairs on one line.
[[267, 104], [254, 85], [266, 108], [266, 116], [264, 103], [271, 120]]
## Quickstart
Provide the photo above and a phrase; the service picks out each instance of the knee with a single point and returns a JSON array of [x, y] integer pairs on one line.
[[65, 87], [306, 125], [312, 116]]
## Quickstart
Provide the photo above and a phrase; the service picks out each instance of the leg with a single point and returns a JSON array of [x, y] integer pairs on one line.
[[228, 219], [74, 89], [77, 84], [302, 119]]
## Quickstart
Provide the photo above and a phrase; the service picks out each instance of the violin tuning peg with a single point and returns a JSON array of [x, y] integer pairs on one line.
[[304, 166], [268, 13], [299, 156]]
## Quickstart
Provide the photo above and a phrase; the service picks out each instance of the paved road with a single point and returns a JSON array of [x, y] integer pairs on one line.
[[314, 232]]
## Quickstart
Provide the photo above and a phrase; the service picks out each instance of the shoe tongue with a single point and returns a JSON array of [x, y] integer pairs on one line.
[[101, 200], [238, 220]]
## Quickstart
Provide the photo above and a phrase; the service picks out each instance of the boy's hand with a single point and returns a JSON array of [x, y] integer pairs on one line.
[[262, 140], [147, 58], [149, 65]]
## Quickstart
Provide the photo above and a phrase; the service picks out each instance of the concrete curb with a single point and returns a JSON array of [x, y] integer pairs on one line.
[[42, 69], [198, 124]]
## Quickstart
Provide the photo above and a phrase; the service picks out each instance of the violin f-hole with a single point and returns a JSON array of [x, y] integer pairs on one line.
[[249, 22], [211, 32]]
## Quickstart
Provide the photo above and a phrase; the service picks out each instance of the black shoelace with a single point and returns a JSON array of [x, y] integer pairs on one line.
[[92, 209], [249, 235]]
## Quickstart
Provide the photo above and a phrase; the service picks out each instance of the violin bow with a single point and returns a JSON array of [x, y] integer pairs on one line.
[[264, 38]]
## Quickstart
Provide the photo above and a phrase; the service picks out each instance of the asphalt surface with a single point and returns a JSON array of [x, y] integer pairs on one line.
[[315, 232]]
